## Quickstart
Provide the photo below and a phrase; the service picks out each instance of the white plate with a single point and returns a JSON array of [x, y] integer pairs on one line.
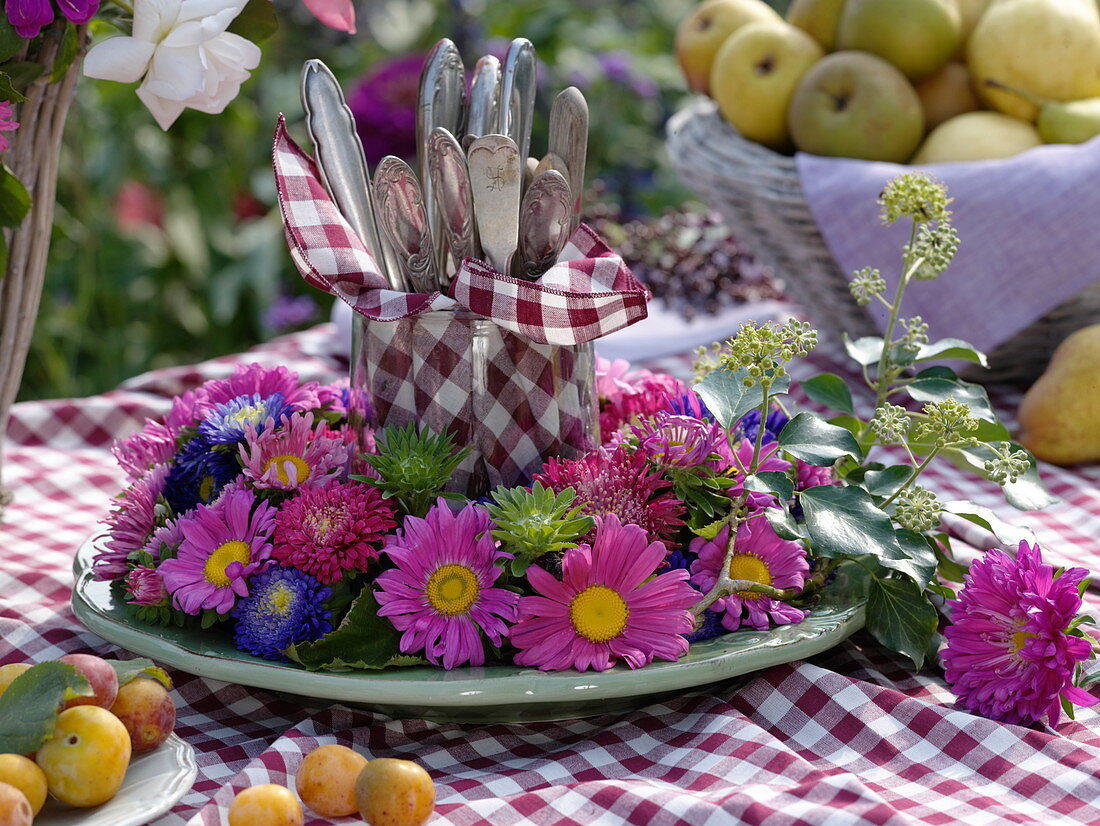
[[154, 784], [500, 693]]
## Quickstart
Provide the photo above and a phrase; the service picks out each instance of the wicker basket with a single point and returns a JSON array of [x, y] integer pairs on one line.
[[759, 193]]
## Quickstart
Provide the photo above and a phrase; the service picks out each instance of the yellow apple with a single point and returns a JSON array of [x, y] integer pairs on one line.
[[1049, 48], [947, 93], [703, 32], [977, 136], [754, 77], [818, 18], [856, 105], [917, 36]]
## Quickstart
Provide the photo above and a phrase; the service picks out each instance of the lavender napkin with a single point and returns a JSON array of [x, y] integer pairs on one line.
[[1027, 227]]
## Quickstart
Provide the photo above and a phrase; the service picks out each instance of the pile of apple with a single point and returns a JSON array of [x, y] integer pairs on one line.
[[920, 81], [88, 736]]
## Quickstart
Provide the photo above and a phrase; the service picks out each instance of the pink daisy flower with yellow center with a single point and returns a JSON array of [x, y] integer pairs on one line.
[[441, 594], [333, 529], [294, 456], [606, 607], [130, 524], [223, 544], [759, 556]]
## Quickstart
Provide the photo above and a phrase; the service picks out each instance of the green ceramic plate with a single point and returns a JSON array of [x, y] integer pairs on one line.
[[488, 694]]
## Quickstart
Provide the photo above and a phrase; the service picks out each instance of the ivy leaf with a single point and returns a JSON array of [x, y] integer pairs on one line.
[[952, 348], [813, 440], [29, 706], [771, 481], [363, 640], [916, 547], [886, 481], [933, 385], [256, 22], [15, 201], [783, 524], [865, 351], [901, 617], [984, 517], [727, 397], [829, 389], [1027, 493], [130, 670]]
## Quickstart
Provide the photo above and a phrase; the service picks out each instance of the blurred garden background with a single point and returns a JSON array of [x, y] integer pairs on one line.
[[167, 248]]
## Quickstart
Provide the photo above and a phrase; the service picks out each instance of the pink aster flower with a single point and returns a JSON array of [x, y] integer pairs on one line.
[[250, 379], [166, 540], [812, 476], [146, 587], [736, 461], [627, 396], [8, 122], [682, 441], [154, 444], [223, 544], [616, 481], [294, 456], [606, 607], [759, 556], [441, 594], [328, 530], [130, 523], [1008, 656]]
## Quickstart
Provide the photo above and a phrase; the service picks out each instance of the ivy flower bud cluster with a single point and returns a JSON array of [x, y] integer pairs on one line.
[[707, 360], [866, 284], [934, 247], [890, 423], [947, 424], [914, 195], [1008, 464], [916, 335], [762, 351], [917, 509]]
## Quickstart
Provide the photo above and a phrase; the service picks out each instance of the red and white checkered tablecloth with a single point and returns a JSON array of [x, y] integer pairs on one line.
[[849, 737]]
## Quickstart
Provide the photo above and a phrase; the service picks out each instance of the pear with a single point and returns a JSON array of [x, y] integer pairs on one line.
[[1050, 48], [1074, 121], [945, 94], [818, 18], [1058, 413], [702, 33], [917, 36], [970, 12], [977, 136]]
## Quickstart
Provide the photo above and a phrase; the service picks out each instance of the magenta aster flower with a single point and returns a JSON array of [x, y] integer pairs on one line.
[[8, 122], [255, 379], [223, 544], [812, 476], [615, 480], [165, 541], [606, 607], [441, 593], [146, 587], [627, 396], [130, 523], [153, 445], [759, 556], [1008, 656], [682, 441], [329, 530], [293, 457], [735, 462]]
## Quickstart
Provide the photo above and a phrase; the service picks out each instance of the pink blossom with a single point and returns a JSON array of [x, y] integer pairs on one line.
[[336, 14], [7, 122]]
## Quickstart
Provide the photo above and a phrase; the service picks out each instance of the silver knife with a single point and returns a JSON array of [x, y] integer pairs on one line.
[[544, 223], [442, 102], [403, 220], [341, 161], [517, 94], [451, 182], [484, 98], [569, 141], [495, 179]]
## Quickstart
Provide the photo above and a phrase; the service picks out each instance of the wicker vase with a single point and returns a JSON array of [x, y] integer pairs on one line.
[[33, 157]]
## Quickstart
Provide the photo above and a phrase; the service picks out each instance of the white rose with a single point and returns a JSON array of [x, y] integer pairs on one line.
[[184, 53]]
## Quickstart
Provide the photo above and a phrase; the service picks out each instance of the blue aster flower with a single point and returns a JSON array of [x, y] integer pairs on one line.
[[773, 425], [711, 626], [226, 423], [690, 404], [284, 606], [200, 472]]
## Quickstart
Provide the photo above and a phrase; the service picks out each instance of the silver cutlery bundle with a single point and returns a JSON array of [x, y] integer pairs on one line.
[[477, 194]]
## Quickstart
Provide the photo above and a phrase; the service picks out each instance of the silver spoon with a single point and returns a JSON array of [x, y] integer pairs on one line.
[[517, 94], [569, 141], [544, 223], [451, 182], [496, 176], [403, 219]]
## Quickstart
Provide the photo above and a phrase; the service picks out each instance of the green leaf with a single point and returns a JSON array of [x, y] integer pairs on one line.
[[886, 482], [15, 201], [10, 42], [23, 73], [952, 348], [783, 524], [900, 616], [946, 565], [1009, 534], [931, 386], [1027, 493], [771, 481], [829, 390], [845, 521], [66, 53], [129, 670], [8, 91], [916, 547], [866, 350], [363, 640], [256, 22], [29, 706], [3, 256], [727, 397], [813, 440]]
